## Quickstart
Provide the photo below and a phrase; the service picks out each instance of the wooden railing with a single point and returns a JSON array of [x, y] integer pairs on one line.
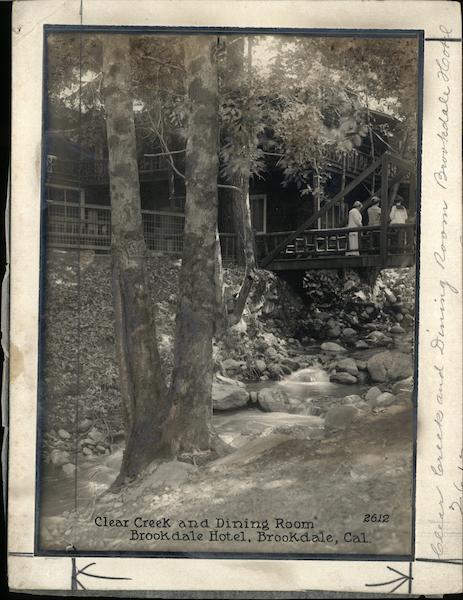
[[383, 164], [353, 162], [320, 243], [88, 227]]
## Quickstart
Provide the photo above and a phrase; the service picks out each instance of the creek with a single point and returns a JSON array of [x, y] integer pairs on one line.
[[95, 474]]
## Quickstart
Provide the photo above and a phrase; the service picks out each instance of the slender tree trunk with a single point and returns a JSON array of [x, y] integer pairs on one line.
[[240, 64], [190, 427], [402, 149], [142, 388]]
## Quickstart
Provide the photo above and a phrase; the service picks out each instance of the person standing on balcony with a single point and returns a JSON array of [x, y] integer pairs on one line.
[[374, 220], [374, 213], [355, 220], [398, 214]]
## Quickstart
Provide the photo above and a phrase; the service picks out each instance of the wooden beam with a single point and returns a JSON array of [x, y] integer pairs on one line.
[[384, 210], [342, 262], [352, 185]]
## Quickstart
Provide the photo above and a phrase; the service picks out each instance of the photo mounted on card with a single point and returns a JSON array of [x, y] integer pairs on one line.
[[236, 282], [229, 292]]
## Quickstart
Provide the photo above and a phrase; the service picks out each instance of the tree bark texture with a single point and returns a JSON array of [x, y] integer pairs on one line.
[[142, 388], [240, 66], [190, 427]]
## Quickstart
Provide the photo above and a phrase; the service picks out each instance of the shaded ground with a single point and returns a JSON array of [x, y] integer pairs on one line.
[[333, 481]]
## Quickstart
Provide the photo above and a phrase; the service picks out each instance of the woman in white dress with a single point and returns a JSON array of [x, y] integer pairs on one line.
[[355, 220], [398, 216]]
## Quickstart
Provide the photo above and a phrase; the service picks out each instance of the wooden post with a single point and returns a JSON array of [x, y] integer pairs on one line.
[[384, 210]]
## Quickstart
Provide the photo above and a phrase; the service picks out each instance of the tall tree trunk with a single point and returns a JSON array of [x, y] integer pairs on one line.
[[142, 388], [190, 427], [240, 64]]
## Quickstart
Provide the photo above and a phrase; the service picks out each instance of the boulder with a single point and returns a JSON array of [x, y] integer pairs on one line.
[[399, 317], [361, 365], [372, 393], [351, 399], [96, 435], [323, 315], [333, 348], [271, 354], [363, 406], [404, 385], [361, 345], [230, 364], [63, 434], [285, 369], [87, 442], [334, 332], [349, 285], [291, 363], [378, 338], [87, 451], [389, 366], [260, 365], [384, 399], [348, 333], [270, 339], [84, 425], [276, 371], [342, 377], [397, 329], [228, 380], [390, 296], [269, 307], [69, 469], [229, 395], [273, 399], [59, 457], [347, 365], [408, 320]]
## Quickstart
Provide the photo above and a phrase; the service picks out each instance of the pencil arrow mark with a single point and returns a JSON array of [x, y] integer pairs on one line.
[[403, 578], [77, 584]]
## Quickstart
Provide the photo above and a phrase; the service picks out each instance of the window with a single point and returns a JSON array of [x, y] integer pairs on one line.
[[64, 214], [62, 194], [259, 212]]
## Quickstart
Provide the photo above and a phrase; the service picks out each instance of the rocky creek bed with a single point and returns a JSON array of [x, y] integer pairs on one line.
[[313, 398]]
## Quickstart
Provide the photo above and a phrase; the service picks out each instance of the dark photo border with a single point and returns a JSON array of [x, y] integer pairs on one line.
[[361, 33]]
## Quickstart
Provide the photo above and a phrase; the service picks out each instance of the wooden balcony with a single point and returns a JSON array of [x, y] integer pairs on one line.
[[329, 248]]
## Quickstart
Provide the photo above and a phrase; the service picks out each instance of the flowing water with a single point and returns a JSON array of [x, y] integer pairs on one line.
[[311, 383]]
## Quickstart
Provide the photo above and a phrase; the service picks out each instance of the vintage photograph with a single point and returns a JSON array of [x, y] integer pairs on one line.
[[228, 293]]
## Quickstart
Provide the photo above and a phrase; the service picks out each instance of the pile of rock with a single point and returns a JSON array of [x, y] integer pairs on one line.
[[265, 357], [60, 445]]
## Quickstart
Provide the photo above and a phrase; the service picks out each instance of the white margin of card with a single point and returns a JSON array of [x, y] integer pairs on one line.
[[40, 573]]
